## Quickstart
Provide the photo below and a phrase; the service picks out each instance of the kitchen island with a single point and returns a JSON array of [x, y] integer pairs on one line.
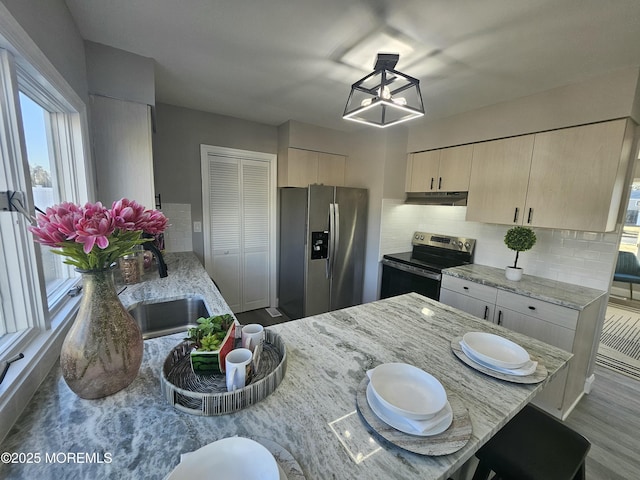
[[136, 434]]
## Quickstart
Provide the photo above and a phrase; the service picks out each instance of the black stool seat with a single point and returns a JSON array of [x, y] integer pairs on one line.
[[534, 446]]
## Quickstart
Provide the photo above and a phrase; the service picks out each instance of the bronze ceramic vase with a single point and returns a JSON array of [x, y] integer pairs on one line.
[[102, 352]]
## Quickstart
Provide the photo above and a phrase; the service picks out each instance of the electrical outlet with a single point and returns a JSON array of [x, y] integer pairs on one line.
[[197, 227]]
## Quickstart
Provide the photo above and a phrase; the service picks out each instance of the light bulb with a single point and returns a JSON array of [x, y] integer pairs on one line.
[[399, 101], [386, 93], [365, 102]]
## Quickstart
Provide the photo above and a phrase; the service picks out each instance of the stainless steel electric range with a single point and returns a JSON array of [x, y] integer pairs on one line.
[[420, 270]]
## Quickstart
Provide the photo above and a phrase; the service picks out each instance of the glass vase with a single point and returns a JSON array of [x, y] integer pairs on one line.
[[102, 352]]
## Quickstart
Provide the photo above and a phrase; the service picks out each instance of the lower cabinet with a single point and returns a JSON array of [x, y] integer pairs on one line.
[[563, 327]]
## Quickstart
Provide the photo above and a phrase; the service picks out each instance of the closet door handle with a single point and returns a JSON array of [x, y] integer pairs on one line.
[[439, 183], [530, 215], [431, 188], [515, 215]]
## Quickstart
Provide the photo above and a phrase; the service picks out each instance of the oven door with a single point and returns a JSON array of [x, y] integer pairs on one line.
[[398, 278]]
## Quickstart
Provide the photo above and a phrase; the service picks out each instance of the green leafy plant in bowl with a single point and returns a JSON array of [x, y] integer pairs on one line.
[[213, 338]]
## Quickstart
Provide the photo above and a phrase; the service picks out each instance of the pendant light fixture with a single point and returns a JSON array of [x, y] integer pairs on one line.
[[384, 97]]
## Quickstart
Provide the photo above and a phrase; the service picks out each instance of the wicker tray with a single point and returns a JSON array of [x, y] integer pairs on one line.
[[207, 394]]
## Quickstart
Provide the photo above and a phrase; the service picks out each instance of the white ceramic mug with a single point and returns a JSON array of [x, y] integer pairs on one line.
[[237, 364], [252, 336]]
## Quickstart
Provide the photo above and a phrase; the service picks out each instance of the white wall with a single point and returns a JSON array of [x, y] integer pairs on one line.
[[582, 258]]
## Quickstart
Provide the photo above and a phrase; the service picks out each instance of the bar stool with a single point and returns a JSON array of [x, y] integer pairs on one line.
[[533, 446]]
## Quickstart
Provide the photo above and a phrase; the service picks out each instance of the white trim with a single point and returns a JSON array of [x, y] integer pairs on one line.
[[205, 151], [41, 346]]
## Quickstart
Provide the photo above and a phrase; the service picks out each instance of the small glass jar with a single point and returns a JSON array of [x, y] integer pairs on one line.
[[131, 267]]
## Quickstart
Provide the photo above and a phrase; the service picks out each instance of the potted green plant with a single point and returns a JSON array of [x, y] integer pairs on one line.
[[519, 239], [212, 339]]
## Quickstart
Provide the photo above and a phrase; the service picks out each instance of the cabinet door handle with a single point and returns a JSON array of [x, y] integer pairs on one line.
[[530, 215], [531, 307], [515, 215], [466, 288], [431, 188], [486, 312], [439, 183], [499, 317]]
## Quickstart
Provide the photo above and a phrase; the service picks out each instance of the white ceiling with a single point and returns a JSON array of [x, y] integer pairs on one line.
[[276, 60]]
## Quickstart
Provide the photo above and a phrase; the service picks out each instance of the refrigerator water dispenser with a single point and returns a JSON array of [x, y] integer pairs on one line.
[[319, 245]]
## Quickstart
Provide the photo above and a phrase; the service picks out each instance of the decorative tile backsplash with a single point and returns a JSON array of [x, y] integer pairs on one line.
[[582, 258], [178, 236]]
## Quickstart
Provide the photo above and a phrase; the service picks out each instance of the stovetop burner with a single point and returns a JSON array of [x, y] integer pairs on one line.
[[435, 252]]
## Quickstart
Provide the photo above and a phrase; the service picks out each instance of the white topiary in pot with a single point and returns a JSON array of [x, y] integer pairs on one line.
[[519, 239]]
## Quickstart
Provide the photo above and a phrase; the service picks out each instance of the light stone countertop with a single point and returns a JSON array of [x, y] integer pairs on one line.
[[559, 293], [187, 277], [136, 434]]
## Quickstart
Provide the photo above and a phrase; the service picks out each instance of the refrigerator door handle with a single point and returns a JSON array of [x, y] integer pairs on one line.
[[330, 246], [336, 234]]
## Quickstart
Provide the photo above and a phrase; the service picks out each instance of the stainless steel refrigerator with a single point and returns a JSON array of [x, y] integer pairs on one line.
[[322, 249]]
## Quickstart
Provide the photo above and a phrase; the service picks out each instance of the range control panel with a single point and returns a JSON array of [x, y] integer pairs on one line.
[[444, 241]]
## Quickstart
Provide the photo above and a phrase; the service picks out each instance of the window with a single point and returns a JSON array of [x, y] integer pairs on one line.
[[45, 163]]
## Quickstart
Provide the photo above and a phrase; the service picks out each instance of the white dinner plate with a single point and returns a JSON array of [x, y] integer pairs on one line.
[[526, 369], [407, 390], [495, 350], [232, 458], [440, 422]]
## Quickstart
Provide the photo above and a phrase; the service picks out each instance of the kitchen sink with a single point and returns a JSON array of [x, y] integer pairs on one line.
[[168, 317]]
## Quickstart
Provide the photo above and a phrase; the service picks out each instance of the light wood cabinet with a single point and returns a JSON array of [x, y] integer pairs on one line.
[[499, 179], [474, 298], [567, 328], [577, 177], [301, 168], [571, 178], [331, 169], [444, 170]]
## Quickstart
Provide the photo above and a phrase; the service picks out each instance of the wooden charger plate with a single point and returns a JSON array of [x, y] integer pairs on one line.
[[451, 440]]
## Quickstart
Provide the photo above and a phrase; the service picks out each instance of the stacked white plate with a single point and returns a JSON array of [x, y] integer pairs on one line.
[[497, 353], [408, 399], [232, 458]]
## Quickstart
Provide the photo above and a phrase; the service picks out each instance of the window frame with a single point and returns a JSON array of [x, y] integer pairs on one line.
[[26, 67]]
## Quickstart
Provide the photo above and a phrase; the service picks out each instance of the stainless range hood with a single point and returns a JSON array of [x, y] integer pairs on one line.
[[437, 198]]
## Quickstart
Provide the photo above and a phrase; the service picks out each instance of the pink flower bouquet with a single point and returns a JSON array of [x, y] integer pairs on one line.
[[92, 237]]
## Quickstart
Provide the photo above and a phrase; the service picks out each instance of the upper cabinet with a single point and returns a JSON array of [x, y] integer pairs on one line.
[[571, 178], [122, 149], [577, 177], [444, 170], [301, 168], [499, 179]]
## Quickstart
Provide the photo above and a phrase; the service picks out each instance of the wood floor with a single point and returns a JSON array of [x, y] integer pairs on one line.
[[610, 418]]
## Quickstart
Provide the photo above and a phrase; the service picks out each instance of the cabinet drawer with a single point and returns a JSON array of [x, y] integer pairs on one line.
[[561, 316], [472, 289]]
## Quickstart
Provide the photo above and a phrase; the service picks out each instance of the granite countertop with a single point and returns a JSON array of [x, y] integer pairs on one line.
[[552, 291], [136, 434], [187, 277]]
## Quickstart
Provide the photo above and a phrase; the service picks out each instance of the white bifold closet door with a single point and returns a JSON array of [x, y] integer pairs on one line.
[[239, 210]]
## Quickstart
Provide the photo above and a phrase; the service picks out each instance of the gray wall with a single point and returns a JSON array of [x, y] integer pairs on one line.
[[176, 152], [377, 161], [609, 96], [115, 73], [50, 25]]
